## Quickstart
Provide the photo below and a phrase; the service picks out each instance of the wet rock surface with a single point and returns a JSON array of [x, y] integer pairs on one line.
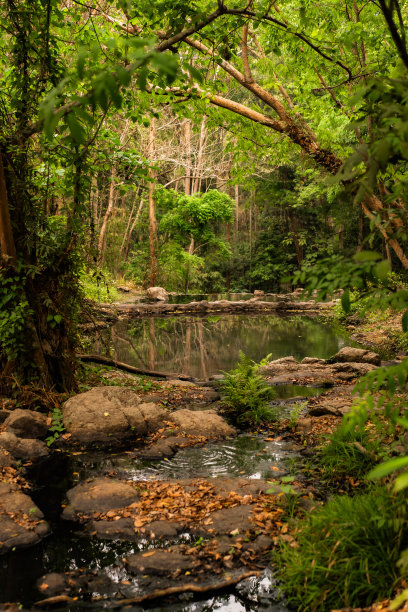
[[27, 424], [22, 448], [336, 402], [204, 423], [319, 371], [99, 495], [21, 521], [356, 355], [159, 562], [109, 415]]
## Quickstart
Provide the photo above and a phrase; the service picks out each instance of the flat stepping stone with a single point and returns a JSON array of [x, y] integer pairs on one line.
[[228, 520], [99, 495], [159, 562]]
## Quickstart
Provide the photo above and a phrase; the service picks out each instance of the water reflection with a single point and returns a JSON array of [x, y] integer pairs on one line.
[[245, 456], [203, 346]]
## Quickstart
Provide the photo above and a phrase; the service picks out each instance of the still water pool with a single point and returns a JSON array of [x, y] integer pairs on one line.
[[204, 346]]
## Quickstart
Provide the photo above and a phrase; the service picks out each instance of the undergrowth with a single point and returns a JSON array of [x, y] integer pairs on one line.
[[93, 376], [98, 286], [247, 394], [349, 453], [347, 552]]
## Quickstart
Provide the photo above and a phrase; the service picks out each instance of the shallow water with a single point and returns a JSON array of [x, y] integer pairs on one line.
[[201, 347], [204, 346], [245, 456]]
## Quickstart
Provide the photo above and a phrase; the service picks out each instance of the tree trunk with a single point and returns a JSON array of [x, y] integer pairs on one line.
[[111, 203], [152, 206], [198, 169], [295, 238], [236, 211], [187, 153], [7, 244]]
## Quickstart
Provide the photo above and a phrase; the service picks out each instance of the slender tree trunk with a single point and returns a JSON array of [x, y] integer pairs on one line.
[[129, 223], [127, 247], [295, 238], [250, 242], [341, 237], [360, 233], [228, 274], [187, 152], [236, 211], [198, 170], [388, 252], [152, 206], [7, 244], [109, 209]]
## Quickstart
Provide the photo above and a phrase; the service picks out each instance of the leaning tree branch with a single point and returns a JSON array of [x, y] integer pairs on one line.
[[289, 29], [129, 368]]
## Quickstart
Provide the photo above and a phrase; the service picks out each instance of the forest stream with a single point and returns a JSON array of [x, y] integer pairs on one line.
[[200, 347]]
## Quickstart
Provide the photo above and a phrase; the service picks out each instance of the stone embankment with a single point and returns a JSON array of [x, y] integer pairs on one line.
[[254, 305]]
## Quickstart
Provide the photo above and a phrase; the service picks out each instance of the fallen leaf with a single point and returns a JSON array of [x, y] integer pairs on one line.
[[149, 554]]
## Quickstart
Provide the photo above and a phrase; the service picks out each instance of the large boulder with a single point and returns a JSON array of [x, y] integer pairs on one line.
[[22, 448], [110, 415], [350, 354], [158, 294], [21, 522], [27, 424], [99, 495], [201, 423]]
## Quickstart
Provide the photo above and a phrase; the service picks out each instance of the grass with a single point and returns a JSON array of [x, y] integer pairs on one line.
[[98, 286], [90, 376], [347, 552], [349, 453]]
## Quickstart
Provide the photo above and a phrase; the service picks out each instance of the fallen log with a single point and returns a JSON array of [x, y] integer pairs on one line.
[[132, 369]]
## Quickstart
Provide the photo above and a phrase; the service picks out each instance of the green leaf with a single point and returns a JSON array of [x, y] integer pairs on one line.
[[382, 270], [76, 129], [384, 469], [50, 124], [401, 482], [366, 256], [196, 74], [142, 78], [405, 321]]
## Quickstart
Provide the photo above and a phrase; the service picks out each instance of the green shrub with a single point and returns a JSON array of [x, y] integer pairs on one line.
[[246, 392], [347, 552]]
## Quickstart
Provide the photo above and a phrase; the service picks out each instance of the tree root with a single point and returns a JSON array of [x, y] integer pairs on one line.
[[183, 588], [129, 368], [53, 601], [175, 590]]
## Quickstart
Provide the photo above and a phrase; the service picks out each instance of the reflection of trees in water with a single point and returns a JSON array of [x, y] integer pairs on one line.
[[202, 346]]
